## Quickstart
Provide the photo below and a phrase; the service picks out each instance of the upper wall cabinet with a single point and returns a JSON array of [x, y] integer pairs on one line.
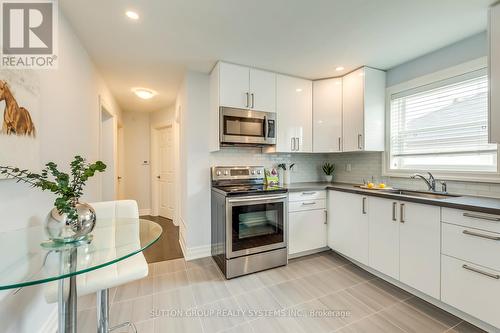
[[240, 87], [327, 115], [494, 66], [246, 88], [294, 114], [363, 103]]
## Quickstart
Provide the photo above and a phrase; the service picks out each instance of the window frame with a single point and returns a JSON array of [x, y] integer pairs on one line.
[[478, 176]]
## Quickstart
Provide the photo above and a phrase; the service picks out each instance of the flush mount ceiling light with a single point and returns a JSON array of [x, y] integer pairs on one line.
[[298, 89], [340, 68], [132, 15], [144, 93]]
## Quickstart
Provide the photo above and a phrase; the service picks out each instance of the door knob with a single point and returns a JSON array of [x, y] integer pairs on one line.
[[158, 177]]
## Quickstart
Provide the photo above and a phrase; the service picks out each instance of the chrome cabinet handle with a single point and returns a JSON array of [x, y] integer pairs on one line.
[[308, 193], [298, 144], [326, 217], [248, 100], [482, 217], [394, 205], [402, 213], [477, 234], [292, 144], [476, 270], [360, 136], [253, 100], [340, 144], [364, 205], [308, 203]]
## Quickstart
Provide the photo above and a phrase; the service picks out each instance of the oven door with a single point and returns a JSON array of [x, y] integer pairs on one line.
[[240, 126], [255, 224]]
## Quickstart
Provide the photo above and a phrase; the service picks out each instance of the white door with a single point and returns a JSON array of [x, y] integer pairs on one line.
[[294, 114], [121, 164], [348, 224], [234, 86], [327, 116], [166, 173], [307, 230], [353, 110], [384, 236], [262, 90], [420, 247]]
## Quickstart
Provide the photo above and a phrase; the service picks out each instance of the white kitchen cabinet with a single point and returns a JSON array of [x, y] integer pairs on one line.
[[294, 114], [384, 236], [234, 85], [307, 230], [494, 72], [262, 90], [327, 115], [471, 288], [348, 224], [420, 247], [363, 110]]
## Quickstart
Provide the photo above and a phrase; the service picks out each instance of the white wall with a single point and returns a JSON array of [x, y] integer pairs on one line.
[[69, 125]]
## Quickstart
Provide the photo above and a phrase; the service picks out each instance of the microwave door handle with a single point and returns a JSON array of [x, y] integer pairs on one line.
[[265, 128]]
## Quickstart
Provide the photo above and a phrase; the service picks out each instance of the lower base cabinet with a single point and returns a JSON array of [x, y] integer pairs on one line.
[[471, 288], [307, 230]]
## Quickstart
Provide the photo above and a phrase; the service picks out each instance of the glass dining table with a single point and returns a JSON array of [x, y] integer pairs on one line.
[[27, 259]]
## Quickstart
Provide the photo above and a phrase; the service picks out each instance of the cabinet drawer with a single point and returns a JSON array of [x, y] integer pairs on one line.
[[476, 220], [298, 206], [474, 245], [472, 292], [306, 195]]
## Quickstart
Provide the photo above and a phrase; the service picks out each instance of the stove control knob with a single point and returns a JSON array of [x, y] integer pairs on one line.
[[218, 173], [253, 172], [226, 173], [258, 172]]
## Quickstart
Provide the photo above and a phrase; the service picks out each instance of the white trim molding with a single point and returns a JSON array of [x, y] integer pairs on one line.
[[466, 176], [145, 211]]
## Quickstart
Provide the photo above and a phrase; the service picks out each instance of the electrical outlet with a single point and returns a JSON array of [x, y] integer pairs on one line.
[[348, 167]]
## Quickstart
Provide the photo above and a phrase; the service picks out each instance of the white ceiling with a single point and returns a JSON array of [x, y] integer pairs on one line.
[[307, 38]]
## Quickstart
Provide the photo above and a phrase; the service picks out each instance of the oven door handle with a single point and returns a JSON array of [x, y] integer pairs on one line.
[[258, 198]]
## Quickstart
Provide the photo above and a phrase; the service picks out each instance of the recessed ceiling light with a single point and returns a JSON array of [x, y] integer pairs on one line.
[[340, 68], [298, 89], [132, 15], [144, 93]]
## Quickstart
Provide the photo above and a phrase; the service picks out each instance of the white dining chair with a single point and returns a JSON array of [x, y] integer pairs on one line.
[[101, 280]]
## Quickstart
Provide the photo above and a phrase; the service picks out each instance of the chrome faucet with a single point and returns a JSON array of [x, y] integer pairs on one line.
[[431, 182]]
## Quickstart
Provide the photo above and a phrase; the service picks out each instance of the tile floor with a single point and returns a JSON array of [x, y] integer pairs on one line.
[[318, 293]]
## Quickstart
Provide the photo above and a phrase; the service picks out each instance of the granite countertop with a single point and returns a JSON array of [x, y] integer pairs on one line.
[[471, 203]]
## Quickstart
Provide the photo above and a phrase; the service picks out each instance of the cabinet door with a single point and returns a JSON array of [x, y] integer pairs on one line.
[[307, 230], [384, 236], [234, 81], [353, 110], [263, 90], [494, 66], [327, 116], [294, 114], [420, 247], [348, 224]]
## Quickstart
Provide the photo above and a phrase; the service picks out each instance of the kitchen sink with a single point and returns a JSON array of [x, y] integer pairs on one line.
[[422, 194]]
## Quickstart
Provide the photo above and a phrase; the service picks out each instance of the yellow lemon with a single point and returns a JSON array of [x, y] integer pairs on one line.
[[370, 185], [381, 185]]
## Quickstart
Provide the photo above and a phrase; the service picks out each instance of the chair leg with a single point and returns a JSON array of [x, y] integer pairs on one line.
[[103, 311], [103, 314]]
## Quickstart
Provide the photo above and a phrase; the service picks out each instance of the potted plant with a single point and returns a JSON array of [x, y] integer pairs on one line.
[[284, 178], [69, 220], [328, 169]]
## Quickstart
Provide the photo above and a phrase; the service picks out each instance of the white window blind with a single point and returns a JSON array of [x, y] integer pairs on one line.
[[443, 126]]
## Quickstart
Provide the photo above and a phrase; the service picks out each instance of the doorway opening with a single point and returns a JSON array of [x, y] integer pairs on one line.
[[108, 152]]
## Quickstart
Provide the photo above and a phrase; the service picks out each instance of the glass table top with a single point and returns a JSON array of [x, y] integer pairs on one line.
[[24, 261]]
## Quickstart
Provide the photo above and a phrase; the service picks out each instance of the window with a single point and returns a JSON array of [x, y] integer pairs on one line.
[[443, 126]]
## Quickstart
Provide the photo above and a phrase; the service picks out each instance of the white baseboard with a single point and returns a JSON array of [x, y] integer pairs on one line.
[[50, 325], [195, 252], [145, 211]]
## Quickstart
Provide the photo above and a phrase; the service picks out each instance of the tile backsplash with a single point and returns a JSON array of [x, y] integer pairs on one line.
[[363, 165]]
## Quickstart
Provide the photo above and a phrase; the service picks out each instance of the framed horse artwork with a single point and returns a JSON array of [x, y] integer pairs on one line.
[[19, 114]]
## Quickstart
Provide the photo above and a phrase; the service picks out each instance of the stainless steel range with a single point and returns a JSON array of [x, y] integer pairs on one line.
[[249, 221]]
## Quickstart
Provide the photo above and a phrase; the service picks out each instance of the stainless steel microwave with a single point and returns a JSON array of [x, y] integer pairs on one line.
[[247, 127]]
